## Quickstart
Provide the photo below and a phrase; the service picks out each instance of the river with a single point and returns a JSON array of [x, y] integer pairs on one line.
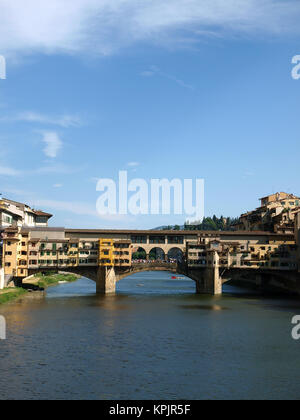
[[155, 339]]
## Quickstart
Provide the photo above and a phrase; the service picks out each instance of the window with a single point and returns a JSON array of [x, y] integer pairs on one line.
[[41, 219], [284, 264], [175, 239], [157, 239], [7, 219], [139, 239]]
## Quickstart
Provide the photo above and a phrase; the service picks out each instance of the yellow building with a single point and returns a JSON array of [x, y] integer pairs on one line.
[[10, 249], [106, 249], [286, 200], [115, 253]]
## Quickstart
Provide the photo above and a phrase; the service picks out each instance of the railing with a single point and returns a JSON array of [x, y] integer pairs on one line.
[[153, 264]]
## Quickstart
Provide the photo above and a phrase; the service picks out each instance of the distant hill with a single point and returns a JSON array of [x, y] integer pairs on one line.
[[170, 227], [208, 223]]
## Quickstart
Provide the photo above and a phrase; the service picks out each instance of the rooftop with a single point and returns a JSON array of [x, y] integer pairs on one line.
[[170, 232]]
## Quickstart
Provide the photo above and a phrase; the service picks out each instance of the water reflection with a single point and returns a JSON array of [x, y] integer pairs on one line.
[[205, 307], [154, 339]]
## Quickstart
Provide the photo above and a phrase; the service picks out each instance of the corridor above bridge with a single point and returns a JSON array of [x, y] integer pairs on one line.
[[29, 250]]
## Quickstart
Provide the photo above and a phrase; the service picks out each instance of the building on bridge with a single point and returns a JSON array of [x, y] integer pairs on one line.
[[246, 250], [106, 255], [115, 253], [28, 250]]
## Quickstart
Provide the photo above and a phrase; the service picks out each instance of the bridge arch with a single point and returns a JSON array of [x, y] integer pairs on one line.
[[157, 253], [175, 253], [148, 267], [139, 254]]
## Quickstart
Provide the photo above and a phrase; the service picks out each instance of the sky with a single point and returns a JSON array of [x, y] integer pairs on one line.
[[160, 88]]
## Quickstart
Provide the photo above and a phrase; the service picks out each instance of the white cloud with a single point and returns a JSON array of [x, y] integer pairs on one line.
[[155, 71], [104, 26], [57, 185], [133, 164], [74, 207], [53, 143], [7, 171], [64, 121], [42, 170], [79, 208], [55, 169]]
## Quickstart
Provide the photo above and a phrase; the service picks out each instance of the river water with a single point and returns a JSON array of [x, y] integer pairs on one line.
[[155, 339]]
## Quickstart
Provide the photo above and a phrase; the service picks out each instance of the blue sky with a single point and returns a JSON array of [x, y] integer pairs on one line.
[[164, 89]]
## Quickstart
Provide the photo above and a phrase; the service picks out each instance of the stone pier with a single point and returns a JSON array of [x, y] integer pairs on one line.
[[209, 282], [208, 279], [106, 281]]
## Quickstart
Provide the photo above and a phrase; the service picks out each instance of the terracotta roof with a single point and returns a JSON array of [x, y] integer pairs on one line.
[[288, 196], [11, 229], [169, 232], [42, 229], [42, 213]]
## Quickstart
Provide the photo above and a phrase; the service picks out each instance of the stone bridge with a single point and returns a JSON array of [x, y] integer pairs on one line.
[[106, 278], [208, 280]]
